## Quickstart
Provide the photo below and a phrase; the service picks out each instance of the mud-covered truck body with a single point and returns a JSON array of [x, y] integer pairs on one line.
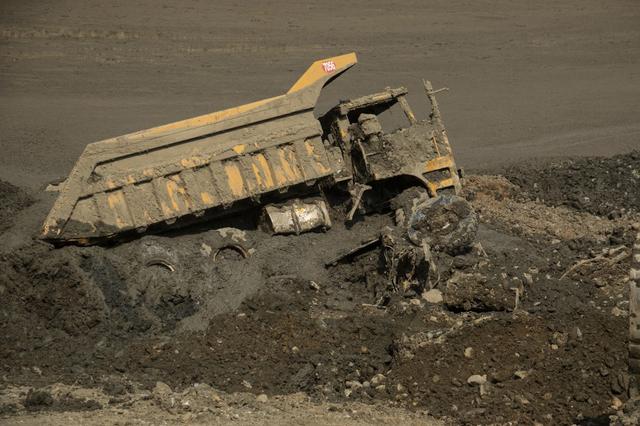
[[208, 166]]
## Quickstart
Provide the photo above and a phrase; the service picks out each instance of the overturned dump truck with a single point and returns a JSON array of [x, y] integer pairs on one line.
[[260, 153]]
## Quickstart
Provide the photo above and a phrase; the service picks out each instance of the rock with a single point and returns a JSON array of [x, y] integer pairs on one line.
[[528, 278], [616, 403], [477, 292], [415, 302], [295, 349], [599, 282], [366, 384], [347, 392], [314, 285], [381, 388], [433, 296], [616, 312], [377, 380], [262, 398], [576, 334], [161, 389], [353, 384], [246, 384], [400, 388], [477, 379], [468, 352], [521, 374]]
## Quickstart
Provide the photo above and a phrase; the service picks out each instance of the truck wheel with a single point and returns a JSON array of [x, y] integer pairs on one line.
[[445, 222], [156, 254]]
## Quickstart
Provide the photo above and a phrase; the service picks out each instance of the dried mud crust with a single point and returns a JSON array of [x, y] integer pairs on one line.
[[513, 337]]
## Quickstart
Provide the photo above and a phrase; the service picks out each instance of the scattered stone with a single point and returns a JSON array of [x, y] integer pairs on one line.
[[478, 292], [400, 388], [246, 384], [295, 349], [616, 403], [599, 282], [353, 384], [433, 296], [314, 285], [381, 388], [377, 380], [477, 379], [576, 334], [560, 338], [161, 389], [468, 352], [528, 278], [616, 312], [262, 398]]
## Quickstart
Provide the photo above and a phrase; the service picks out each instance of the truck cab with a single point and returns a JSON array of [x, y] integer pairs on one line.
[[416, 153]]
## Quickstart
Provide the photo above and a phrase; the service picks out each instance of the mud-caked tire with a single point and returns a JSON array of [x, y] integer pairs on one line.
[[154, 253], [446, 222]]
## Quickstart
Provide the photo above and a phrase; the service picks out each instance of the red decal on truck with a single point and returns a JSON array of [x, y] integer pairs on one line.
[[329, 66]]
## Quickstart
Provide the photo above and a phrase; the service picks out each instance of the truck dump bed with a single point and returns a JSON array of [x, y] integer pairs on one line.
[[199, 165]]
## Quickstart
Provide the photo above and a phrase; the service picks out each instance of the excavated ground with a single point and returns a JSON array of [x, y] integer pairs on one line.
[[531, 326]]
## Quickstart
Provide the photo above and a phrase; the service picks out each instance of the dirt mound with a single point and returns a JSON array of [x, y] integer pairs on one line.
[[12, 200], [601, 186]]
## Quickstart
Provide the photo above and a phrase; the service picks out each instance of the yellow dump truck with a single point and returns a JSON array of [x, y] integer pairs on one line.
[[273, 149]]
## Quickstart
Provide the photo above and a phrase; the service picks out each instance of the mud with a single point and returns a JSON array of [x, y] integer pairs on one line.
[[549, 339]]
